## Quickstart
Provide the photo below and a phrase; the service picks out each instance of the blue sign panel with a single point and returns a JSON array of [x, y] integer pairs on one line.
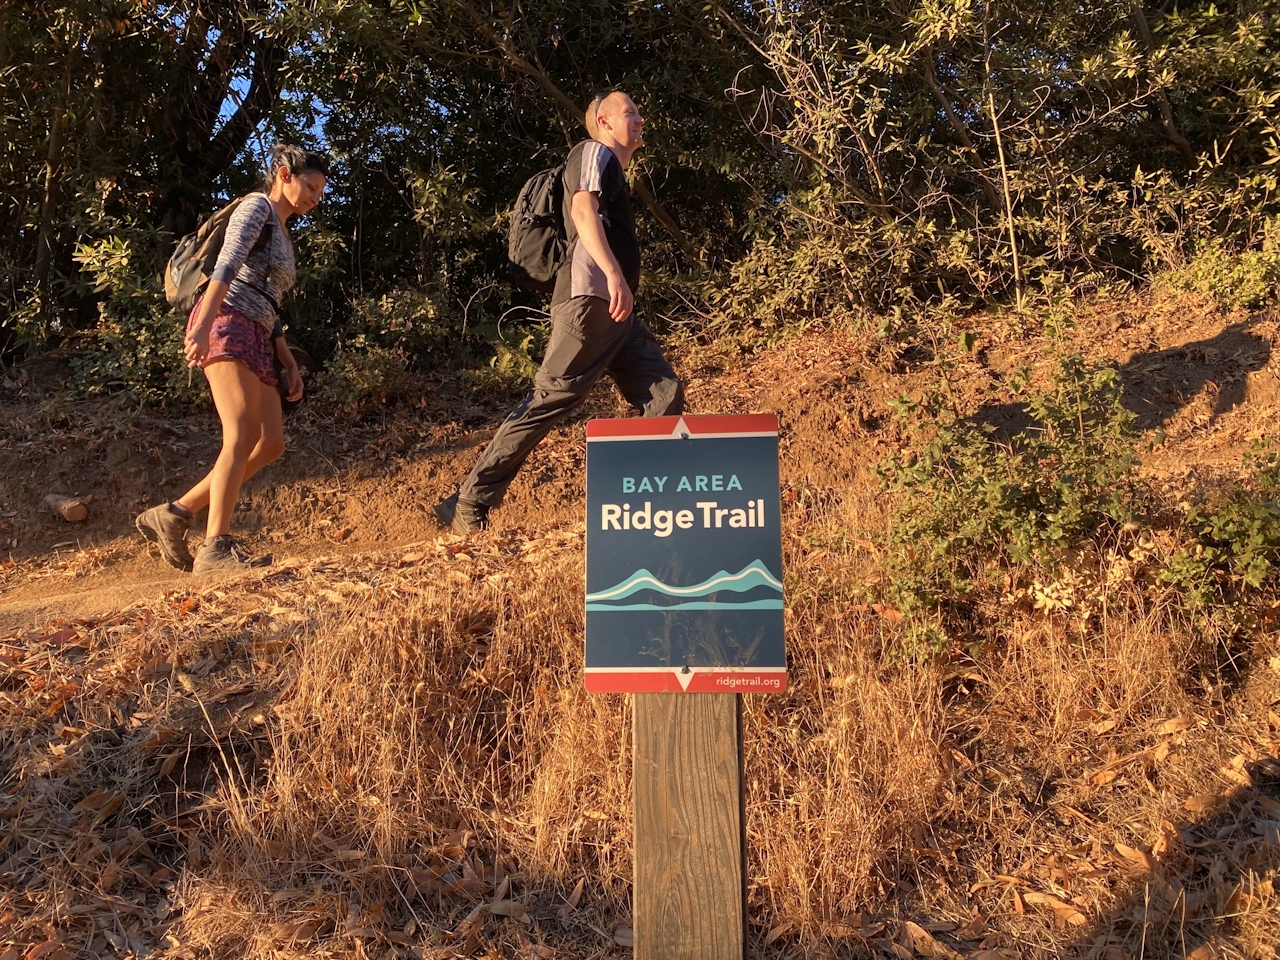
[[684, 555]]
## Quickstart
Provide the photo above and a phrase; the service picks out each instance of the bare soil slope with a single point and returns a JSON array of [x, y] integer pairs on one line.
[[355, 752]]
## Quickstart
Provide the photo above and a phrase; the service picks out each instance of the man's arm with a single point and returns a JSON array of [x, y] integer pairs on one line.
[[585, 210]]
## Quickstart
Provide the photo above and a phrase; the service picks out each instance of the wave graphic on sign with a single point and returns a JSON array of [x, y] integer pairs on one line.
[[696, 596]]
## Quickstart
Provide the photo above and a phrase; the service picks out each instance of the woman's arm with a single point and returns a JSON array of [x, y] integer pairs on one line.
[[292, 376], [247, 222], [196, 343]]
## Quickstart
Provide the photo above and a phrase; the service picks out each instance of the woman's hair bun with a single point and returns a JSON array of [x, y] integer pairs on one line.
[[295, 159]]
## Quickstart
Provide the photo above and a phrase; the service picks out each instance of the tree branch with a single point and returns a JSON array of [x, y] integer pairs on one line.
[[230, 140], [1162, 100], [957, 125], [509, 51]]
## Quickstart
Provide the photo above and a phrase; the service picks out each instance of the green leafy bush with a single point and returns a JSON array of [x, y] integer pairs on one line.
[[361, 370], [1233, 540], [1249, 279], [134, 352], [974, 507], [511, 371]]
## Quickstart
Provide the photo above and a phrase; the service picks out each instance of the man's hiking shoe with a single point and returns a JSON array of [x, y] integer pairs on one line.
[[462, 516], [167, 529], [223, 555]]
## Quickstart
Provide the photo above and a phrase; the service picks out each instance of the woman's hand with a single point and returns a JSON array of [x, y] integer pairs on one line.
[[292, 382], [195, 345]]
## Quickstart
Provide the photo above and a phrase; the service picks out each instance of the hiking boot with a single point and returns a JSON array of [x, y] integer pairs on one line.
[[223, 555], [167, 529], [462, 516]]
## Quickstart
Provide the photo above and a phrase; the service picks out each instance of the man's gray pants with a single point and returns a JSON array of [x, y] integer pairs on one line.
[[585, 344]]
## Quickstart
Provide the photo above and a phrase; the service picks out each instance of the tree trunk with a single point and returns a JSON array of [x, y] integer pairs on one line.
[[1162, 100], [44, 243]]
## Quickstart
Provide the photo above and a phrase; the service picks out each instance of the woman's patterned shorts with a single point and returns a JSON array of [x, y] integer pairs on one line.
[[236, 336]]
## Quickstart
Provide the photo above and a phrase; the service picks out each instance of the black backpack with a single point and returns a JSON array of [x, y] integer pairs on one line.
[[193, 260], [536, 242]]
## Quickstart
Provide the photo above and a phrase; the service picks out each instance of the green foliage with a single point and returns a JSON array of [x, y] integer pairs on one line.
[[1234, 540], [134, 352], [512, 369], [974, 507], [815, 163], [1249, 279], [135, 355], [361, 370]]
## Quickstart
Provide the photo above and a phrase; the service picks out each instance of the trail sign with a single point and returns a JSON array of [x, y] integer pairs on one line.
[[684, 556]]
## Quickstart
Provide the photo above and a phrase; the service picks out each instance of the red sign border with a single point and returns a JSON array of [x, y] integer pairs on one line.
[[703, 680], [639, 428]]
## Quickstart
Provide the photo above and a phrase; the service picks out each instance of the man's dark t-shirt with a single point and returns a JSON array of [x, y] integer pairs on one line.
[[592, 166]]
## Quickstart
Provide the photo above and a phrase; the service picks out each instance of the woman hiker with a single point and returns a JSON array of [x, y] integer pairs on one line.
[[232, 334]]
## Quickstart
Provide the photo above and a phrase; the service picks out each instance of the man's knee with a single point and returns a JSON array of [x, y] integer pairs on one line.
[[552, 396], [667, 398]]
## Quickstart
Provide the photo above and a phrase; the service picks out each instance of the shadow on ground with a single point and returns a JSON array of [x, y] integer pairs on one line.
[[1158, 384]]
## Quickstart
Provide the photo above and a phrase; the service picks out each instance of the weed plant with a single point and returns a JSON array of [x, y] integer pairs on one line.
[[1249, 279], [977, 507], [1233, 545], [1055, 519]]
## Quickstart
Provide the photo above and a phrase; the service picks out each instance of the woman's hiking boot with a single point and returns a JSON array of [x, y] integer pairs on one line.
[[223, 555], [167, 529], [462, 516]]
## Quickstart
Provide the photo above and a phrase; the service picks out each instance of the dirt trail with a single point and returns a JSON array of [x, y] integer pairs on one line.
[[356, 481]]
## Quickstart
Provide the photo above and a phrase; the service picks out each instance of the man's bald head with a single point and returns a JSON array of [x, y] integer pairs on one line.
[[613, 119], [599, 105]]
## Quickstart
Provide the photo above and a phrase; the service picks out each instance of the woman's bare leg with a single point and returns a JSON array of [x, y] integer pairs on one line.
[[269, 447], [240, 398]]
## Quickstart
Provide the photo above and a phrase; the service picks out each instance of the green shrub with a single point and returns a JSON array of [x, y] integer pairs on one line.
[[361, 370], [512, 368], [1233, 540], [975, 507], [1249, 279], [135, 351]]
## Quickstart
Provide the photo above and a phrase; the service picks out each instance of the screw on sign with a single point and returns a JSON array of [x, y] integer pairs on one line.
[[684, 609]]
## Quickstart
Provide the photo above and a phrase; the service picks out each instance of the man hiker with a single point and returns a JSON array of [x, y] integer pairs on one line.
[[593, 327]]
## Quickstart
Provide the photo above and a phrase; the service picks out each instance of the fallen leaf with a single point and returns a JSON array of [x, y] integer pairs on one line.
[[572, 903], [1202, 802], [1176, 725], [624, 937], [63, 636], [922, 942], [888, 612], [508, 908], [974, 929], [776, 932], [1065, 912], [1135, 856]]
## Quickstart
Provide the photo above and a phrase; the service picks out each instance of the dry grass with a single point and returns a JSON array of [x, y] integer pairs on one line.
[[354, 759], [392, 756]]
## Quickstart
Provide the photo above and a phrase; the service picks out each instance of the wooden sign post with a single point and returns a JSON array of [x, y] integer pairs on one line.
[[684, 596], [690, 870]]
